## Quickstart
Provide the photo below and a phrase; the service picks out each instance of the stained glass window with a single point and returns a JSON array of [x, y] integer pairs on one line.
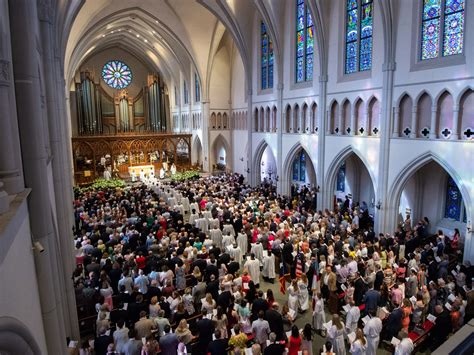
[[266, 54], [304, 42], [359, 32], [442, 19], [453, 201], [175, 96], [341, 178], [299, 167], [197, 88], [116, 74]]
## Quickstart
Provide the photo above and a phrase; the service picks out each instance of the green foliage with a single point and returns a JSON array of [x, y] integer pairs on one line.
[[101, 184], [190, 174]]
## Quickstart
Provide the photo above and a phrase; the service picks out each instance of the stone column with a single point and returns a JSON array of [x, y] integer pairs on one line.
[[414, 126], [396, 122], [433, 126], [353, 121], [24, 25], [279, 129], [206, 113], [250, 173], [340, 120], [59, 134], [455, 133], [323, 127], [10, 156]]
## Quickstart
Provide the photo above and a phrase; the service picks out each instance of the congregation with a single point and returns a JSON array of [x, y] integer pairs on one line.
[[188, 267]]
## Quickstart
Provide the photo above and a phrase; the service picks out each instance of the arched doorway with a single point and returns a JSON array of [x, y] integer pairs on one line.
[[265, 164], [430, 191], [196, 153], [300, 171], [221, 154], [353, 182]]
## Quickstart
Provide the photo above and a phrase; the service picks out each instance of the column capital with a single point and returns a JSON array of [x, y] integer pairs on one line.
[[389, 66], [323, 78]]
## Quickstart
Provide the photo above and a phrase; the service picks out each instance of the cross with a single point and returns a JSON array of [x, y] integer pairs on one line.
[[375, 130], [336, 130], [407, 131], [425, 131], [468, 133], [446, 132], [316, 129], [348, 130], [361, 130]]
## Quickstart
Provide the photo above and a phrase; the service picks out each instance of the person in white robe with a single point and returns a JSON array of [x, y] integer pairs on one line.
[[162, 173], [268, 265], [352, 318], [173, 169], [213, 223], [193, 218], [319, 316], [228, 229], [257, 250], [216, 237], [293, 297], [336, 334], [227, 241], [142, 175], [372, 331], [202, 224], [303, 295], [134, 176], [235, 252], [107, 174], [405, 347], [359, 345], [242, 241], [194, 206], [253, 267]]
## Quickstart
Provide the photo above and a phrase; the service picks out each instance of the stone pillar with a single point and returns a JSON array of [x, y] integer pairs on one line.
[[353, 121], [55, 87], [396, 122], [10, 156], [455, 133], [323, 127], [24, 25], [340, 120], [433, 126], [414, 118], [206, 115], [250, 173], [279, 129]]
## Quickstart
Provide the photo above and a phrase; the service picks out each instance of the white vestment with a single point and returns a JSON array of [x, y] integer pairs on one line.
[[268, 266], [257, 249], [293, 298], [372, 331], [357, 348], [216, 237], [235, 253], [242, 242], [319, 317], [303, 296], [405, 347], [228, 241], [228, 229], [253, 267], [352, 318]]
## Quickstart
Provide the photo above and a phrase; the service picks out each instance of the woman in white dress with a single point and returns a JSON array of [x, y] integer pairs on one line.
[[319, 317], [293, 296], [208, 303], [336, 335], [359, 345], [242, 242], [303, 295]]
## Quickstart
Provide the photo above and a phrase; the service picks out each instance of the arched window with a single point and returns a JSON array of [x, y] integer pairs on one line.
[[442, 18], [454, 207], [197, 88], [304, 42], [299, 167], [359, 21], [185, 93], [266, 53], [341, 178]]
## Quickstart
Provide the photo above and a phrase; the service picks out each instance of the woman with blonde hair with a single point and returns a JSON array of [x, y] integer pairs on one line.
[[154, 307], [208, 303], [359, 345], [336, 335], [183, 333]]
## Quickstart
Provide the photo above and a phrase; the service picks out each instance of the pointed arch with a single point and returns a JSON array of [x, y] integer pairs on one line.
[[314, 117], [304, 119], [399, 183], [222, 141], [274, 119], [333, 124], [267, 120], [287, 168], [333, 169], [462, 93], [296, 120], [346, 108], [288, 120], [405, 112], [359, 115], [256, 161]]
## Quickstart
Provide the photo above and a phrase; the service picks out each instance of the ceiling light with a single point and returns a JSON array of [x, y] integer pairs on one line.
[[153, 31], [130, 31], [119, 30], [146, 41], [112, 32], [138, 36], [103, 36]]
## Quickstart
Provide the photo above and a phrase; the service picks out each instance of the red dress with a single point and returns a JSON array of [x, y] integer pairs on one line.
[[294, 346]]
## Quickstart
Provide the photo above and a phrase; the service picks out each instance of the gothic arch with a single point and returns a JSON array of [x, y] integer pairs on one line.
[[334, 168], [196, 151], [287, 168], [462, 93], [407, 172], [15, 338], [256, 168], [220, 139]]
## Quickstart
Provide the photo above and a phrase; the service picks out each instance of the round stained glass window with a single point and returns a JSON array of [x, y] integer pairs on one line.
[[117, 74]]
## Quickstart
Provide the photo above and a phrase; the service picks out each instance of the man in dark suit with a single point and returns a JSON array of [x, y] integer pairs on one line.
[[378, 277], [372, 300], [218, 346], [394, 323], [205, 328], [213, 287], [169, 342], [102, 342], [442, 327], [274, 348], [275, 320], [259, 304]]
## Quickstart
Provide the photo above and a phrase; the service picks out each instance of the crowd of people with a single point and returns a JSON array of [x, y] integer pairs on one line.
[[188, 267]]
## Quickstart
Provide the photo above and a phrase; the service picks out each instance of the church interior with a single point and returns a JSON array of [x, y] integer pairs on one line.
[[363, 105]]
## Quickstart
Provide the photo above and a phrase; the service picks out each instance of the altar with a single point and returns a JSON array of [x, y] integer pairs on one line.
[[141, 171]]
